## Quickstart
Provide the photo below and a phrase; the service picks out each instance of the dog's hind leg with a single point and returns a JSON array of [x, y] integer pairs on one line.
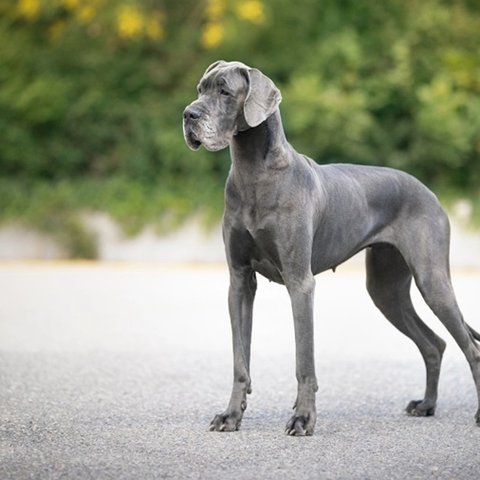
[[436, 288], [427, 255], [388, 283]]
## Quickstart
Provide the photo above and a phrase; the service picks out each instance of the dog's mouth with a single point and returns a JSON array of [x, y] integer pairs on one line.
[[192, 140], [195, 144], [209, 141]]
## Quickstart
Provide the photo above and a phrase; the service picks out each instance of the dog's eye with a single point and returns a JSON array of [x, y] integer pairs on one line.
[[224, 92]]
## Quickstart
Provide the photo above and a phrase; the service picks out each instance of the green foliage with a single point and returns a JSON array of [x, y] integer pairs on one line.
[[91, 96], [57, 208]]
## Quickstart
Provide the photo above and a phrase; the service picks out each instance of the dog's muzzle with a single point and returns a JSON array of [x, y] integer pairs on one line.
[[191, 116]]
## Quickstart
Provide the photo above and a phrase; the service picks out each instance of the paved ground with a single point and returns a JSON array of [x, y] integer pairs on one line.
[[114, 372]]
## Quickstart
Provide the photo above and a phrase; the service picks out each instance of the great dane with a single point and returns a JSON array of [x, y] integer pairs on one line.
[[288, 219]]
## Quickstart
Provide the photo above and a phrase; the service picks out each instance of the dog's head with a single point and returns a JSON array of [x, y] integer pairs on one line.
[[231, 98]]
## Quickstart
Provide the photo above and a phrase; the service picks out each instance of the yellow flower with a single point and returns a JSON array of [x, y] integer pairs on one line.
[[29, 8], [85, 13], [215, 9], [130, 21], [155, 27], [251, 10], [71, 4], [212, 34]]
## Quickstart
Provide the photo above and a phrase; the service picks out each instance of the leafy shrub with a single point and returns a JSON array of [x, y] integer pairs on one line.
[[91, 95]]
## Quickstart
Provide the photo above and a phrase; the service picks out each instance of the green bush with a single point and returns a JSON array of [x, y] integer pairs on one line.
[[91, 96]]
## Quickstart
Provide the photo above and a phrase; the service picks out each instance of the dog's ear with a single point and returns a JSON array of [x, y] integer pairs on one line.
[[262, 99]]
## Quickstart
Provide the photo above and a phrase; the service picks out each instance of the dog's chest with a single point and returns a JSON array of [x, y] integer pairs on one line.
[[258, 216], [257, 220], [253, 210], [265, 256]]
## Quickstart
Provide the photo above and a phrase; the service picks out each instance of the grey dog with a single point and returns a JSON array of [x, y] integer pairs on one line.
[[288, 219]]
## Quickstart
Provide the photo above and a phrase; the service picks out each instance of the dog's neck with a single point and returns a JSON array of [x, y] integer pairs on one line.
[[264, 146]]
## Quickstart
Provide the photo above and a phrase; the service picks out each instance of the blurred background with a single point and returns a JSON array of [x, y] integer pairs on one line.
[[115, 369], [92, 92]]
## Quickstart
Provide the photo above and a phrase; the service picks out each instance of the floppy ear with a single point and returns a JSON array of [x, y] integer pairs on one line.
[[262, 99]]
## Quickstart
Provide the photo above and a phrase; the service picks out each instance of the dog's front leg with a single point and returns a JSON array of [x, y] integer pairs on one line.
[[301, 295], [241, 294]]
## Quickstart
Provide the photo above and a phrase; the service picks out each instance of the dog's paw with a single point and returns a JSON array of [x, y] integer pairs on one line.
[[300, 425], [418, 408], [225, 422]]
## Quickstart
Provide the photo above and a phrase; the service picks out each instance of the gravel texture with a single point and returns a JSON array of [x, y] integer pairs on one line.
[[115, 371]]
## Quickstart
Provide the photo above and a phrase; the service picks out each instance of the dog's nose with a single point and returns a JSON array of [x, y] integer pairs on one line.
[[191, 113]]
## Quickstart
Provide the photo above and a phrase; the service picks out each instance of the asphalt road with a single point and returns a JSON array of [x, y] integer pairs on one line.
[[115, 371]]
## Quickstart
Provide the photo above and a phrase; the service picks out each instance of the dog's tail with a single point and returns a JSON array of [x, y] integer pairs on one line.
[[473, 333]]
